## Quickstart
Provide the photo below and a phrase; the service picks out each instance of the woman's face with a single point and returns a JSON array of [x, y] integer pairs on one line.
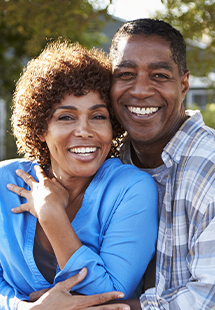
[[79, 135]]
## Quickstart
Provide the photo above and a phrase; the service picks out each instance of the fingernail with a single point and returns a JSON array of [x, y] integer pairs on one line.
[[126, 308], [82, 270], [9, 186], [121, 295], [18, 172]]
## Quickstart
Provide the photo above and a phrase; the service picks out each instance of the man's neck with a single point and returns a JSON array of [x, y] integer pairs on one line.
[[146, 157]]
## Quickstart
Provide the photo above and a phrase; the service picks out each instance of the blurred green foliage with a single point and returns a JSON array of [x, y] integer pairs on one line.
[[208, 113], [25, 28], [196, 21]]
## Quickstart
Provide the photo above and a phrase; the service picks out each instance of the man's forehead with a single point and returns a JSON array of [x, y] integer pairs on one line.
[[131, 46], [122, 44]]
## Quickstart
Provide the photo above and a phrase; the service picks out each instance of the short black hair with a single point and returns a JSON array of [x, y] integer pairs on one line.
[[148, 27]]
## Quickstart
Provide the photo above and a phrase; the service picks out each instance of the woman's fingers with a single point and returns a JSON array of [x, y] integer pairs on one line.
[[27, 178], [17, 190]]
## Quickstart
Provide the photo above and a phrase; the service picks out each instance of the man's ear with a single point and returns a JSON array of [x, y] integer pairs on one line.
[[185, 82]]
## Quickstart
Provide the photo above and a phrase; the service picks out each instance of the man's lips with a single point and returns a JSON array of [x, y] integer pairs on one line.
[[142, 111], [85, 151]]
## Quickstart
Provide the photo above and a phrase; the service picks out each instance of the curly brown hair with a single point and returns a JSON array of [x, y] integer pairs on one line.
[[62, 68]]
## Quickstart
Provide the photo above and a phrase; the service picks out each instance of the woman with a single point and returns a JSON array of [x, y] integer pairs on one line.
[[83, 210]]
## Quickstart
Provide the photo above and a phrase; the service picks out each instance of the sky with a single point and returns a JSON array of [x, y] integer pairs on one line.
[[133, 9]]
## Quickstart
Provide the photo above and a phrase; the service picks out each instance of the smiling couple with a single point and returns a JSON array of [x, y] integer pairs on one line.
[[91, 221]]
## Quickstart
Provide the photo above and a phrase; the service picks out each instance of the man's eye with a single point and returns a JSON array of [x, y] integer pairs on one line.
[[125, 75], [160, 76]]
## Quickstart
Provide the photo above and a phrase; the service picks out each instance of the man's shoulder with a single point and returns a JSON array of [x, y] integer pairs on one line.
[[194, 138]]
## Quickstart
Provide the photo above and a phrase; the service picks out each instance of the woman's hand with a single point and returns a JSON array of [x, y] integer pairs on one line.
[[47, 200], [42, 196], [59, 297]]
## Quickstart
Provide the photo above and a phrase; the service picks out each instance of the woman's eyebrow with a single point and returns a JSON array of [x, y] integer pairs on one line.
[[97, 106], [73, 108], [66, 107]]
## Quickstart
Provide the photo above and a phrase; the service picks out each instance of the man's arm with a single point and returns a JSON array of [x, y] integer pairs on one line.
[[59, 297]]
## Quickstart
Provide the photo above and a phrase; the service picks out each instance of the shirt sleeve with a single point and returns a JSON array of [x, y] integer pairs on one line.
[[9, 297], [127, 246], [199, 291]]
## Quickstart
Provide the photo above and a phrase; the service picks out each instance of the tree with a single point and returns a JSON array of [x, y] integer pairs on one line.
[[196, 21], [27, 25]]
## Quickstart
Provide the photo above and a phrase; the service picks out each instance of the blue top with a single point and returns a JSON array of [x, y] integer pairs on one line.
[[117, 225]]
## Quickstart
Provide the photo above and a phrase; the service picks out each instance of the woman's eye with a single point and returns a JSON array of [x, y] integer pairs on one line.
[[98, 117], [65, 118]]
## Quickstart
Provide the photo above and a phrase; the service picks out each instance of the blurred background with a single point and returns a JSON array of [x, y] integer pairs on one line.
[[27, 25]]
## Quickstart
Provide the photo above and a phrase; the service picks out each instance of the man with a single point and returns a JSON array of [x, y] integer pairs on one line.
[[150, 81]]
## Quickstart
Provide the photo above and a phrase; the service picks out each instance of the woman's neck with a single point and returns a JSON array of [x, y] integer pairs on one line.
[[76, 187]]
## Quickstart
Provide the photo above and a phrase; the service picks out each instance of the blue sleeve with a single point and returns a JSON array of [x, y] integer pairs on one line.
[[9, 297], [128, 243]]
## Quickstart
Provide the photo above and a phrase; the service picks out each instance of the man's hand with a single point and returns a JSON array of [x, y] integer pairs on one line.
[[59, 297]]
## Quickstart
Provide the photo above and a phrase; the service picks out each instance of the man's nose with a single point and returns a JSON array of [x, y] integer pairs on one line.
[[142, 87]]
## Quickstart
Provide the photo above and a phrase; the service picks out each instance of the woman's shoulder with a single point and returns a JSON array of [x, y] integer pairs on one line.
[[16, 162], [8, 167], [113, 168]]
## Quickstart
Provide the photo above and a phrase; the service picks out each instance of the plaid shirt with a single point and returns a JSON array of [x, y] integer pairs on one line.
[[185, 267]]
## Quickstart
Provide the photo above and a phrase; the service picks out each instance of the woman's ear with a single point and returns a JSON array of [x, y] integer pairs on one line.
[[42, 137]]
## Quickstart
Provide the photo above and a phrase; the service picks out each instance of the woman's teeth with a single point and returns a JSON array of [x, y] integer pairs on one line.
[[83, 150]]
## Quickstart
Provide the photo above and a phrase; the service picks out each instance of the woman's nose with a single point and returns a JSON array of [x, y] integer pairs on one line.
[[83, 129]]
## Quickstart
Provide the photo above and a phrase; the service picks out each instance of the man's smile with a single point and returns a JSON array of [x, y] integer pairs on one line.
[[142, 111]]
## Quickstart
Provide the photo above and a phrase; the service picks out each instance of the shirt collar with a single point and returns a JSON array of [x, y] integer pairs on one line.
[[173, 150]]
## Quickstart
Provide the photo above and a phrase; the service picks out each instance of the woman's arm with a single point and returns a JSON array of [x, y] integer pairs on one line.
[[47, 201], [128, 242]]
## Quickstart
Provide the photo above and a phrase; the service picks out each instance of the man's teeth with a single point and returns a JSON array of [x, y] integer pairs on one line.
[[142, 111], [83, 150]]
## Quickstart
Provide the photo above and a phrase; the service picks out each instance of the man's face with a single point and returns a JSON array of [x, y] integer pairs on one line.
[[147, 91]]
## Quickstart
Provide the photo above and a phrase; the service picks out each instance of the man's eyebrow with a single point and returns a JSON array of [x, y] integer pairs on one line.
[[126, 64], [160, 65]]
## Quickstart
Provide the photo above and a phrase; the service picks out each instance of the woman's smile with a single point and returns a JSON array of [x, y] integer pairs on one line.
[[79, 135]]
